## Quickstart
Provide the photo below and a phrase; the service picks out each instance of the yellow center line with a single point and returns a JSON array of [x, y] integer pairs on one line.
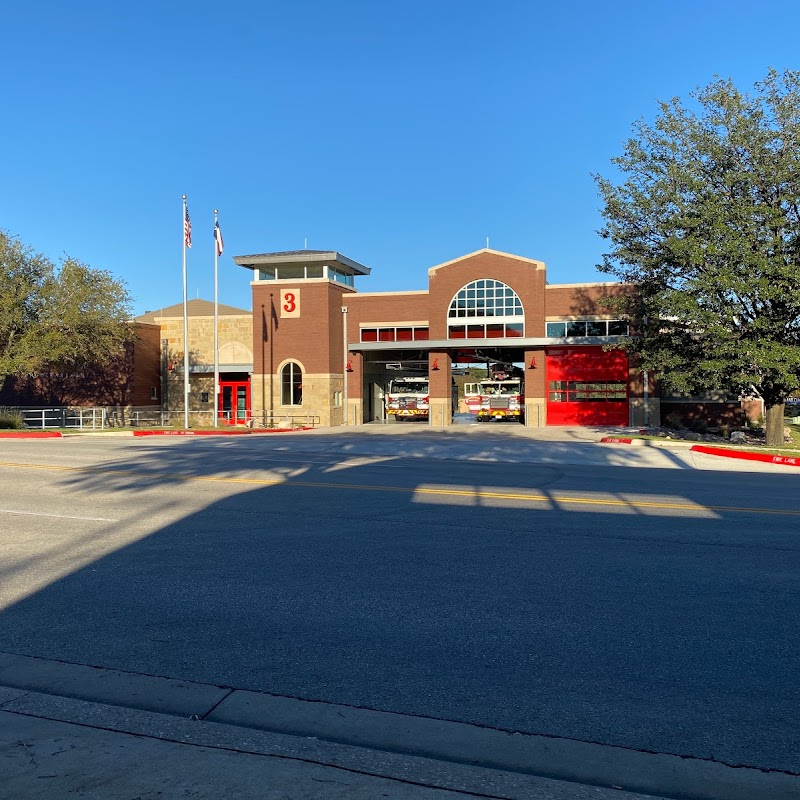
[[529, 497]]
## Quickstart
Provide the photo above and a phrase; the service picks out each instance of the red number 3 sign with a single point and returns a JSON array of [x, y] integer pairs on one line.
[[290, 303]]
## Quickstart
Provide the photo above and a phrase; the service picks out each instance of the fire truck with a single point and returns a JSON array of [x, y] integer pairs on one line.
[[408, 398], [501, 396]]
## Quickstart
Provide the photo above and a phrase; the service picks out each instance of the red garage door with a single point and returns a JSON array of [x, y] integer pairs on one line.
[[587, 386]]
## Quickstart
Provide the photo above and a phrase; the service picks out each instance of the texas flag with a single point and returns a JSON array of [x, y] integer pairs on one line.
[[218, 238]]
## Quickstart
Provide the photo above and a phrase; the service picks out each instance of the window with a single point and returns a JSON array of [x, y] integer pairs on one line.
[[399, 334], [486, 299], [580, 328], [337, 399], [596, 328], [577, 391], [153, 393], [576, 328], [291, 385], [618, 327]]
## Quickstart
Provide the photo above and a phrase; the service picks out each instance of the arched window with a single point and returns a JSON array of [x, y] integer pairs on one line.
[[485, 309], [291, 385]]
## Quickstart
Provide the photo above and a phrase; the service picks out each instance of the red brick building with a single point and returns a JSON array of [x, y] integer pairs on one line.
[[322, 348]]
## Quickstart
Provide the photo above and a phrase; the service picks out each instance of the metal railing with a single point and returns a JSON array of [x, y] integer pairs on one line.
[[66, 417], [278, 419], [103, 418]]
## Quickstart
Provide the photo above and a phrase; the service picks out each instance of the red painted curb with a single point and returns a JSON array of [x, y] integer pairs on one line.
[[615, 440], [31, 435], [791, 461]]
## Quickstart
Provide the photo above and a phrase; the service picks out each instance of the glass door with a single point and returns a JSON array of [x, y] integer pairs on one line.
[[234, 402]]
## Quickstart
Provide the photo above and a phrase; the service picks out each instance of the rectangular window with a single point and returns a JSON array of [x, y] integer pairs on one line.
[[421, 334], [369, 334], [514, 330], [596, 328], [557, 330], [476, 331], [618, 327], [286, 272], [266, 273], [153, 393], [495, 331], [457, 332], [337, 398], [314, 271], [385, 334], [576, 328], [404, 334]]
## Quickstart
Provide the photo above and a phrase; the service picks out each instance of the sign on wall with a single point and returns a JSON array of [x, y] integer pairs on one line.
[[290, 303]]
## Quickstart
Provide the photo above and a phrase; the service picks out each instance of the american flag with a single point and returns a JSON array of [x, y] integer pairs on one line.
[[187, 229], [218, 238]]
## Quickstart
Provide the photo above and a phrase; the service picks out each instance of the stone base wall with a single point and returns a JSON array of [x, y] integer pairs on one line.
[[441, 413], [355, 411], [535, 412], [320, 395]]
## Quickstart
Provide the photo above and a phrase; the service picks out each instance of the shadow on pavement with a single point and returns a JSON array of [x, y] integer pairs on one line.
[[430, 588]]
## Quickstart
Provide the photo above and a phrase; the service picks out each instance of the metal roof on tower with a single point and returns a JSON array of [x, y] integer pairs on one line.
[[330, 257]]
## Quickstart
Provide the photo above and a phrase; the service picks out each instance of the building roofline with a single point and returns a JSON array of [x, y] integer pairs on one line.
[[538, 264], [587, 285], [391, 294]]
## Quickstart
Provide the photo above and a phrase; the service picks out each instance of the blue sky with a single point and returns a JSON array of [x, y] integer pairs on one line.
[[401, 135]]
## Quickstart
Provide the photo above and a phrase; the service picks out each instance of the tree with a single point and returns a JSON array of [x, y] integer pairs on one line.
[[705, 224], [65, 319], [22, 277]]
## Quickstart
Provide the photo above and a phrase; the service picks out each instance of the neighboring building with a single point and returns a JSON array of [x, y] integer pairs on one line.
[[130, 380], [235, 338]]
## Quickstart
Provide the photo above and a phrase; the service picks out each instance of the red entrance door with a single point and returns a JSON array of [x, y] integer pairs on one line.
[[587, 386], [234, 402]]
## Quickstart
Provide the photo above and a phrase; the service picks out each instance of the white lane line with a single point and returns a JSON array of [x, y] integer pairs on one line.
[[56, 516]]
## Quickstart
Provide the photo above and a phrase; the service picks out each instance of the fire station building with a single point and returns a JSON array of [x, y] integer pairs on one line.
[[323, 348]]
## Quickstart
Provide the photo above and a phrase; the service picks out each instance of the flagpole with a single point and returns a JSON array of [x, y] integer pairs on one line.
[[216, 324], [185, 324]]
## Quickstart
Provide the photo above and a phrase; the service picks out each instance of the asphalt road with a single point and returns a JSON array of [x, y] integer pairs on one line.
[[648, 607]]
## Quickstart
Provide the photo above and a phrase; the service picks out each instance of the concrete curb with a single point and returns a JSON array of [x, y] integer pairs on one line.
[[391, 735], [219, 433], [790, 461]]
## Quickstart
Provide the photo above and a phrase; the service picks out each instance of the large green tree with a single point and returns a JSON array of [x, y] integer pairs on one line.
[[703, 218], [68, 318]]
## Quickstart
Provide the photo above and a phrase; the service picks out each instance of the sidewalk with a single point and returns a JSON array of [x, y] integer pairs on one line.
[[109, 735]]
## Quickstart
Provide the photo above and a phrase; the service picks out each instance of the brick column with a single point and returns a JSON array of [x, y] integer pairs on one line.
[[441, 391], [355, 389], [535, 389]]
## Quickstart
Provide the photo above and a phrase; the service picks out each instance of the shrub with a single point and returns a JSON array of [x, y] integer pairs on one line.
[[11, 419], [674, 421], [698, 426]]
